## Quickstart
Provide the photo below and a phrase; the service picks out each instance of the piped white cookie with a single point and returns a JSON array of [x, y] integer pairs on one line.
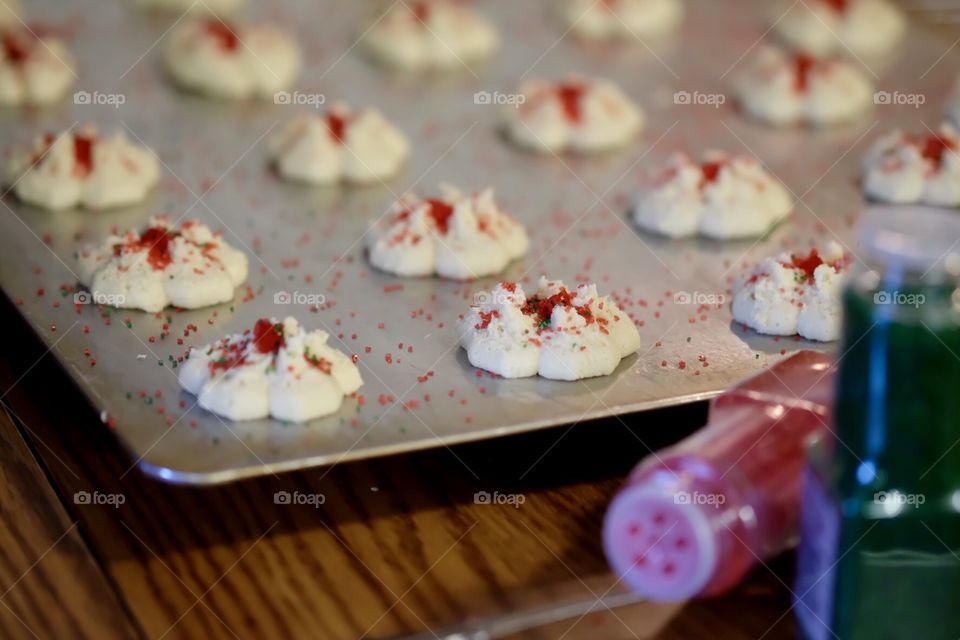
[[793, 294], [185, 266], [557, 333], [35, 69], [620, 19], [905, 168], [81, 168], [274, 369], [722, 197], [434, 34], [578, 115], [857, 27], [231, 60], [458, 236], [341, 145], [783, 89]]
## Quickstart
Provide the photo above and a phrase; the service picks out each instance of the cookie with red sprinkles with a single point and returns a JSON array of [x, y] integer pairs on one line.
[[456, 235], [276, 369], [185, 265], [557, 333]]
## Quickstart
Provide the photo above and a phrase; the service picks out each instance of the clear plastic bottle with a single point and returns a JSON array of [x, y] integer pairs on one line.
[[694, 518]]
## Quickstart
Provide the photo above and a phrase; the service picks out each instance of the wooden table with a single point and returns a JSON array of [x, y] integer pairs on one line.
[[398, 546]]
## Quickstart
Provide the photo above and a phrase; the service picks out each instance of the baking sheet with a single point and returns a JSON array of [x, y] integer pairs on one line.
[[419, 389]]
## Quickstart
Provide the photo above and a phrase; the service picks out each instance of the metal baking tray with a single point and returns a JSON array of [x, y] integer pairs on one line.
[[307, 240]]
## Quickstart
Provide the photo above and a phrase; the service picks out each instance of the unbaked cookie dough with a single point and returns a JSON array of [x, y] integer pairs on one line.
[[275, 369], [437, 34], [81, 168], [794, 294], [825, 27], [620, 19], [184, 266], [905, 168], [576, 115], [228, 60], [557, 333], [722, 197], [784, 89], [34, 70], [343, 145], [455, 236]]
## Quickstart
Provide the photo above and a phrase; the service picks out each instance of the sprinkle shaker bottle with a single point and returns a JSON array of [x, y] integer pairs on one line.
[[880, 554], [694, 518]]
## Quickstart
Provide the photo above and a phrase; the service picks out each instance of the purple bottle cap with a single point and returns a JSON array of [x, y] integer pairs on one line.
[[662, 545]]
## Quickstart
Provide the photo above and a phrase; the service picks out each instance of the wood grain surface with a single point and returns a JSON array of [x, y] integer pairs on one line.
[[50, 582], [397, 546]]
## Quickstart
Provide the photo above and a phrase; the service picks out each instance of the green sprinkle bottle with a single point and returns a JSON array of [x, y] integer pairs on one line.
[[880, 551]]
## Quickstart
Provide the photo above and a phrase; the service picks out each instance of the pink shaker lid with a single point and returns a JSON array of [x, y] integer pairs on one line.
[[661, 545]]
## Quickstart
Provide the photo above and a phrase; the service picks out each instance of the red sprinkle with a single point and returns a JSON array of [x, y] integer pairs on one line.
[[83, 155], [441, 212], [337, 126], [325, 366], [569, 96], [267, 336], [710, 171], [486, 317], [156, 240], [13, 48], [224, 36], [803, 64], [807, 264], [934, 148]]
